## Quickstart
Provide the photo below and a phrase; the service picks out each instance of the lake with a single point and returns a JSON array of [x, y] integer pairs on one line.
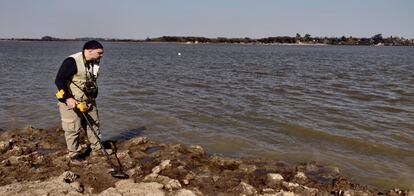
[[345, 106]]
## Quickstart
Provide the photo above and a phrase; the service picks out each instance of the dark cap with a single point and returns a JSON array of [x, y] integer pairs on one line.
[[92, 45]]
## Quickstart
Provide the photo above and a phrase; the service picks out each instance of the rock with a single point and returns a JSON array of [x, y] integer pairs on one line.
[[126, 159], [17, 150], [163, 165], [150, 178], [14, 189], [188, 177], [285, 193], [225, 162], [77, 186], [89, 190], [139, 140], [247, 168], [324, 193], [128, 187], [216, 178], [268, 191], [68, 177], [168, 183], [300, 176], [196, 151], [395, 192], [39, 159], [4, 146], [173, 184], [184, 192], [111, 192], [123, 184], [311, 191], [246, 189], [14, 160], [176, 147], [134, 171], [53, 186], [30, 128], [273, 180], [35, 154], [341, 183], [124, 154], [290, 185], [150, 189], [5, 163]]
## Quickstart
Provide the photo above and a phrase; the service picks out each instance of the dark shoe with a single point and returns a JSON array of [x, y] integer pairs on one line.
[[78, 161]]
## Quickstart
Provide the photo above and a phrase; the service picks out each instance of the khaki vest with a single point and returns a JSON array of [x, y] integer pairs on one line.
[[79, 79]]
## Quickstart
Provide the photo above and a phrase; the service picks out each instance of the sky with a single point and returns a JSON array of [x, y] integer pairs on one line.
[[139, 19]]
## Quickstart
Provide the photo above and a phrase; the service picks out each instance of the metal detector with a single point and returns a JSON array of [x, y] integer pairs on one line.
[[116, 171]]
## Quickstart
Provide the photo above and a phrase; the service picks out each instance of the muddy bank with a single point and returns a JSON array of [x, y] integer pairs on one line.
[[33, 162]]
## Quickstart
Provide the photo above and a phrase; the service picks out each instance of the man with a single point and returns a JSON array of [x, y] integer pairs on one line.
[[77, 90]]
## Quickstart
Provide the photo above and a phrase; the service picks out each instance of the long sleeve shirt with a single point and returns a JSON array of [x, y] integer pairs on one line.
[[64, 76]]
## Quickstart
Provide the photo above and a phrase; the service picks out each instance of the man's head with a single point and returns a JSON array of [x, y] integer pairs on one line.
[[93, 50]]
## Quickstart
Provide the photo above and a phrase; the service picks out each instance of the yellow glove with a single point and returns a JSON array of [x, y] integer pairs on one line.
[[82, 106], [60, 94]]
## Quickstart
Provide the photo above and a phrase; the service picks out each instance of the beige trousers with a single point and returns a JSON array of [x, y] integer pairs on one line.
[[72, 124]]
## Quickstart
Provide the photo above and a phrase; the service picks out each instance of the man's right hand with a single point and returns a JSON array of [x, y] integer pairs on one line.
[[71, 103]]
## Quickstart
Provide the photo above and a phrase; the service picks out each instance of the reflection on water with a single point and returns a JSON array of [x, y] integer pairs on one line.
[[346, 106]]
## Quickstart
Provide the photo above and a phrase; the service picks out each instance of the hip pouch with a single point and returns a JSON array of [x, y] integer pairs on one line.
[[91, 89]]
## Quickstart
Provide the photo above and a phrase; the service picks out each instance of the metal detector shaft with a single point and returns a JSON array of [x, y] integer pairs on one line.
[[97, 137], [117, 171], [113, 146]]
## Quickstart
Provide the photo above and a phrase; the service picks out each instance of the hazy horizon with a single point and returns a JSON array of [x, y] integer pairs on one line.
[[233, 19], [143, 39]]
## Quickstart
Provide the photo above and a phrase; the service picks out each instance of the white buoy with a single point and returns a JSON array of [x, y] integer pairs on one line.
[[179, 54]]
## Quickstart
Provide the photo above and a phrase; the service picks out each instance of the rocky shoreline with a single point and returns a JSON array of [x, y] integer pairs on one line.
[[34, 162]]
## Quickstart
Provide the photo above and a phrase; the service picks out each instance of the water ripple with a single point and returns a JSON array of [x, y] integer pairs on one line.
[[346, 106]]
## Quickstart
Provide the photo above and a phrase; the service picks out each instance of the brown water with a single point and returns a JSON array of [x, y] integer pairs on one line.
[[346, 106]]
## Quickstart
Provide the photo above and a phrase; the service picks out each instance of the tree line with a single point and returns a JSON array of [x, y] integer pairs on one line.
[[377, 39]]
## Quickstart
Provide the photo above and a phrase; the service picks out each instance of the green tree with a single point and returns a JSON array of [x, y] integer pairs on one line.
[[378, 38], [307, 37]]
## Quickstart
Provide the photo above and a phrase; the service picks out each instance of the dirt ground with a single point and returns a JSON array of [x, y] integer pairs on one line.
[[33, 155]]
